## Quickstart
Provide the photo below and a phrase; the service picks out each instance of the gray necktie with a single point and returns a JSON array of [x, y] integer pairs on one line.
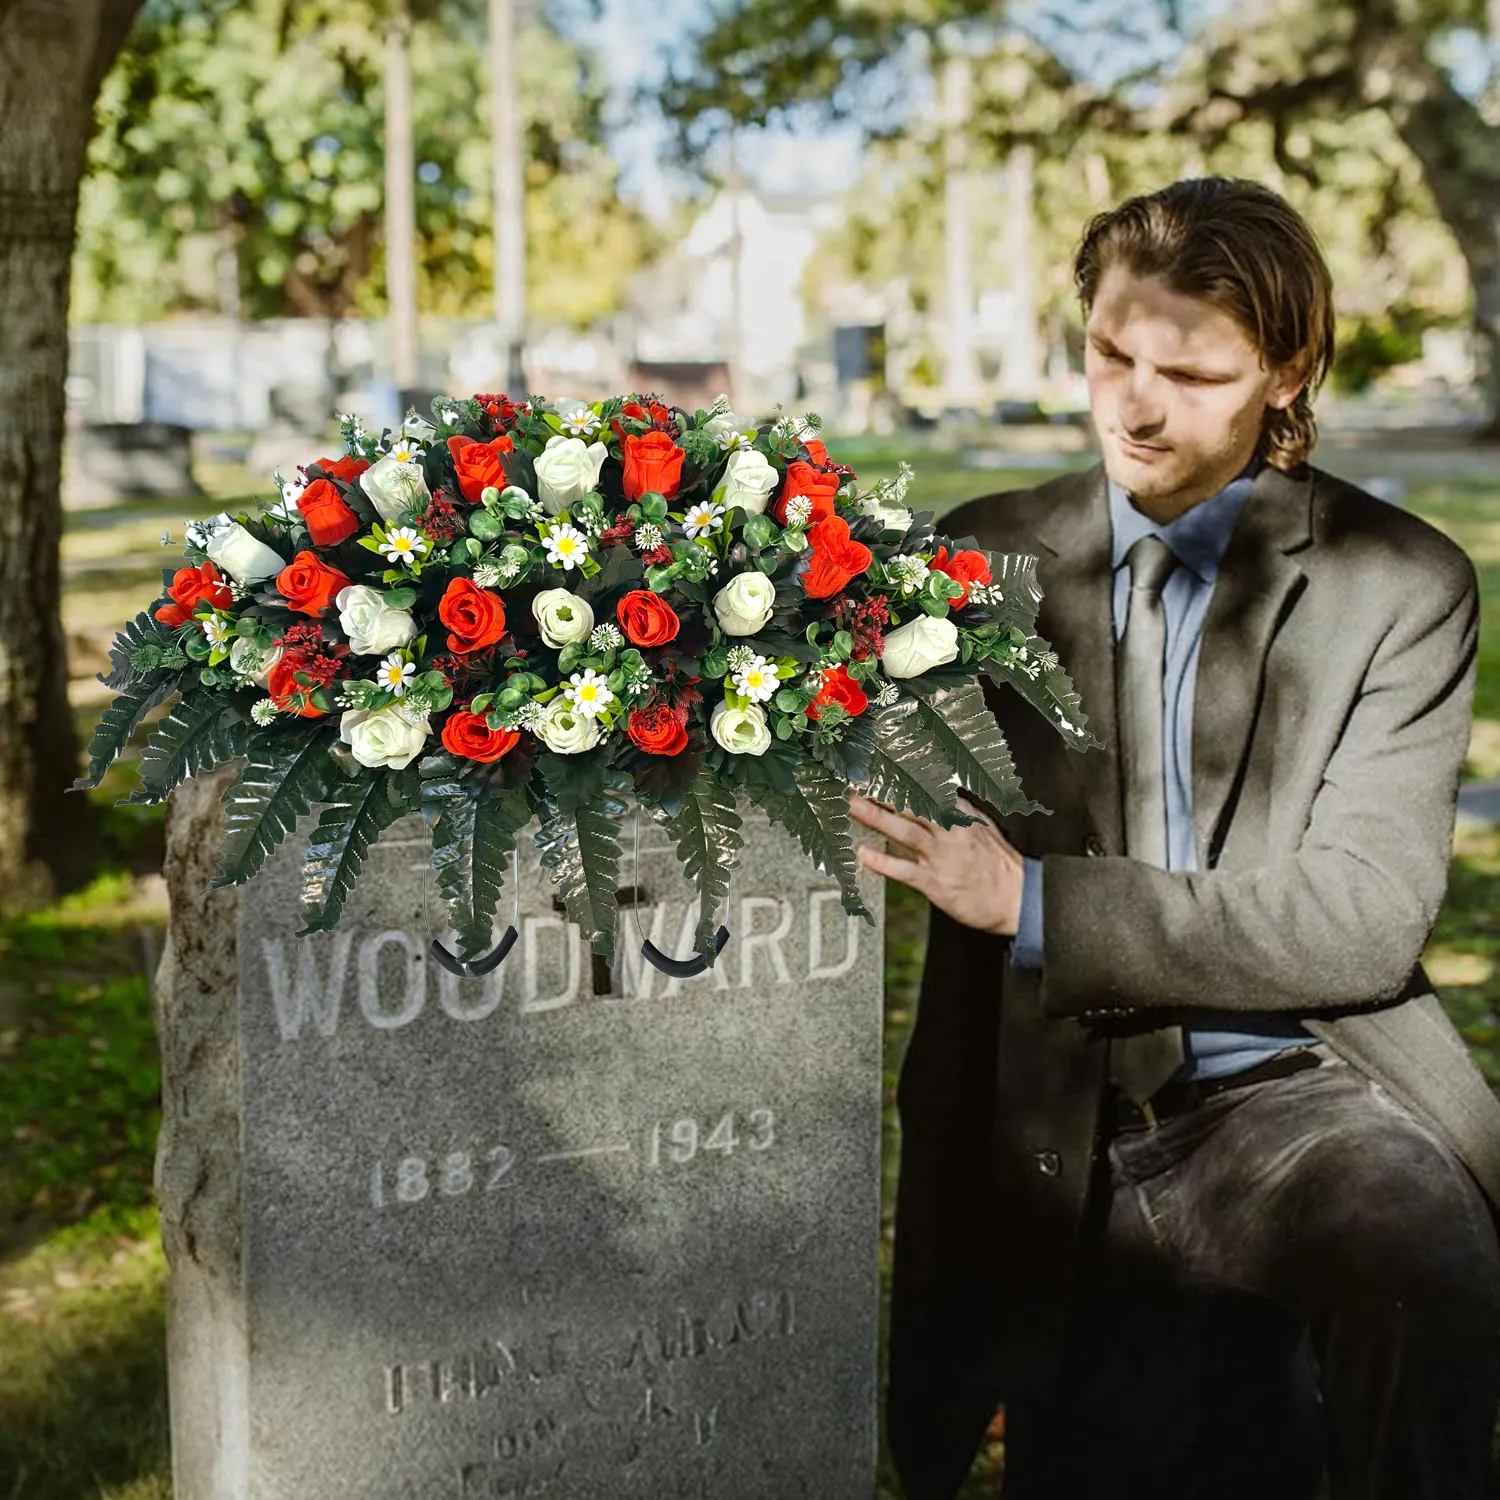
[[1141, 1063]]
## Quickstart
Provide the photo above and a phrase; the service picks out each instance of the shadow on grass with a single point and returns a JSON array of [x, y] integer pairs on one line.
[[83, 1401]]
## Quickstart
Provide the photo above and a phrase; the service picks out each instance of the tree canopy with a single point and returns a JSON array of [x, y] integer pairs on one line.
[[239, 157]]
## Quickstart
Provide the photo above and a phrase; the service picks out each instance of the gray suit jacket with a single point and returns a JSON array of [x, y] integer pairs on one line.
[[1335, 686]]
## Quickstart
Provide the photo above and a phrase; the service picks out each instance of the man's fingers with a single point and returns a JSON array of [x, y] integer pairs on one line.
[[902, 826], [908, 871]]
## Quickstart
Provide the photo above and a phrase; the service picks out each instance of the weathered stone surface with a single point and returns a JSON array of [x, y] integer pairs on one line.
[[566, 1231]]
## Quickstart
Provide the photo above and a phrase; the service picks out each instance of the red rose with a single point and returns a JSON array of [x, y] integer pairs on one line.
[[967, 567], [839, 687], [646, 618], [347, 469], [657, 730], [287, 694], [804, 479], [328, 519], [817, 452], [652, 462], [835, 559], [478, 465], [468, 735], [188, 586], [474, 616], [308, 585]]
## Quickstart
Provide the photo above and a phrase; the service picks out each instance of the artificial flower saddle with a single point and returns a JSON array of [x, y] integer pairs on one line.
[[532, 610]]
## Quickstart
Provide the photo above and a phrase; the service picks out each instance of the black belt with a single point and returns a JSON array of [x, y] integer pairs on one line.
[[1180, 1095]]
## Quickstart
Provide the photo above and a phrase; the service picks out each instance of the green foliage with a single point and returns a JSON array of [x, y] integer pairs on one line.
[[117, 723], [359, 812], [285, 774], [474, 835], [1368, 346], [1050, 691], [816, 813], [963, 725], [194, 737], [705, 832], [239, 163], [140, 650], [907, 768], [579, 843]]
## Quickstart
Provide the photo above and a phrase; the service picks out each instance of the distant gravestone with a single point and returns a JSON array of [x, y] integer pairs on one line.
[[113, 461], [523, 1236]]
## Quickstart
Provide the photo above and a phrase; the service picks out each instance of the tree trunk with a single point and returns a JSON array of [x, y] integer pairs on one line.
[[1460, 155], [53, 56]]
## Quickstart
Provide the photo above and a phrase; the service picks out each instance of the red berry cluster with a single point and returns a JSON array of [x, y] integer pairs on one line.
[[863, 620], [303, 649], [441, 520]]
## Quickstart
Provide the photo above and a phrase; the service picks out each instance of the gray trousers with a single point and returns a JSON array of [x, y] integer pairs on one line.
[[1291, 1291]]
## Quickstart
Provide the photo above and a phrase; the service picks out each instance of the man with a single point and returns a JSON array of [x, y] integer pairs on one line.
[[1197, 1178]]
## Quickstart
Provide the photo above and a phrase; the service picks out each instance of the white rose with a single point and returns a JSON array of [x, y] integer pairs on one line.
[[248, 660], [743, 605], [749, 478], [383, 736], [233, 549], [563, 618], [394, 486], [925, 642], [566, 470], [372, 626], [725, 423], [892, 517], [744, 731], [564, 731]]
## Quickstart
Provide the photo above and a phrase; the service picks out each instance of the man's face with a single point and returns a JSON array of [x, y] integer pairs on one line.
[[1178, 391]]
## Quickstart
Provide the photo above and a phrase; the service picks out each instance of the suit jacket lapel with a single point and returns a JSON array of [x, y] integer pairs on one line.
[[1256, 586], [1075, 619]]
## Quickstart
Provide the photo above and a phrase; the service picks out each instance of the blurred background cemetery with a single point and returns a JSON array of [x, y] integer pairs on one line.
[[291, 209]]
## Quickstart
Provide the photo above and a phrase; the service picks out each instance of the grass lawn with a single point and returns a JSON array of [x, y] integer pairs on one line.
[[82, 1379]]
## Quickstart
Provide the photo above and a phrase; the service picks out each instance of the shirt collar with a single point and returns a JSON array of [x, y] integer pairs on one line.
[[1198, 537]]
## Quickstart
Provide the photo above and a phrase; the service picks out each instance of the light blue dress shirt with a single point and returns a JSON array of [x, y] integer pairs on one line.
[[1198, 538]]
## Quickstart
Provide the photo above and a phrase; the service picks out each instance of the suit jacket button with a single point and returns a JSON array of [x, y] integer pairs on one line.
[[1048, 1163], [1093, 845]]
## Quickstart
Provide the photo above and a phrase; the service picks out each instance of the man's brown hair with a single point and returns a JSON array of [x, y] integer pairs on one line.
[[1249, 252]]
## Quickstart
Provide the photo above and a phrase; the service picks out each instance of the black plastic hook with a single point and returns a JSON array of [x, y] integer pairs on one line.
[[682, 968], [477, 967]]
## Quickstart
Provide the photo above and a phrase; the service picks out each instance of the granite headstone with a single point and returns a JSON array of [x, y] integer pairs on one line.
[[571, 1230]]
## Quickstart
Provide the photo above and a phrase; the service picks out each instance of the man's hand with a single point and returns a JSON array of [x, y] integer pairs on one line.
[[971, 873]]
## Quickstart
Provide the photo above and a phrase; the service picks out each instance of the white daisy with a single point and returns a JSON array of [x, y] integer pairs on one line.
[[729, 441], [395, 675], [402, 544], [703, 519], [581, 424], [217, 629], [589, 693], [566, 546], [758, 681], [405, 451], [264, 711]]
